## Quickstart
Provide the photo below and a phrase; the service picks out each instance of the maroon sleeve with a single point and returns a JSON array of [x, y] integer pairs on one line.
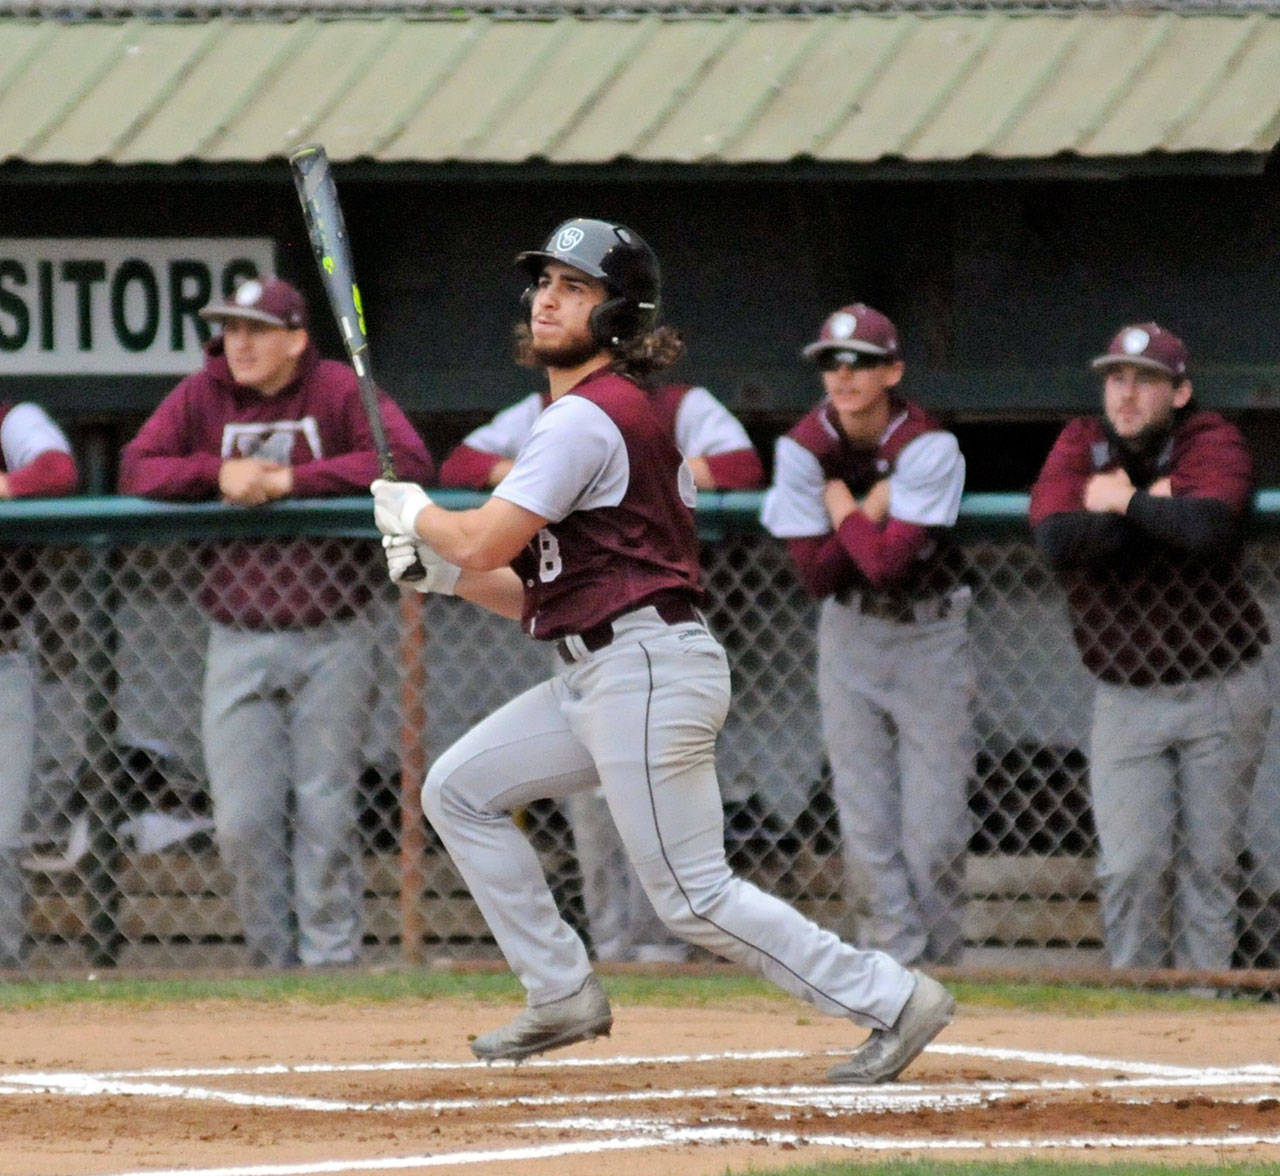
[[158, 462], [739, 469], [468, 469], [355, 463], [860, 552], [821, 563], [1059, 489], [1214, 463], [884, 555], [51, 474]]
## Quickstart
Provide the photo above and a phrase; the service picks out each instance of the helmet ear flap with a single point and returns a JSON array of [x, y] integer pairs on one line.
[[613, 320], [526, 303]]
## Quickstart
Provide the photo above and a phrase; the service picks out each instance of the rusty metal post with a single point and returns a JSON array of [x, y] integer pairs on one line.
[[413, 711]]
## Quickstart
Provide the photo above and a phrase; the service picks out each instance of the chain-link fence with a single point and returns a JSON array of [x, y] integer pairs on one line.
[[118, 856]]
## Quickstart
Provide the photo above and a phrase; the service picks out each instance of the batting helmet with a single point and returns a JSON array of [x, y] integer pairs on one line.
[[619, 258]]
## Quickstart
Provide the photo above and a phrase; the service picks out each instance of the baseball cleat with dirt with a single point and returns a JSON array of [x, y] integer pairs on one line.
[[887, 1052], [580, 1017]]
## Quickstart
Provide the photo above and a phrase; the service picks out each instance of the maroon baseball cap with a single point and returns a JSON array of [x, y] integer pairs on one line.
[[856, 327], [264, 300], [1146, 345]]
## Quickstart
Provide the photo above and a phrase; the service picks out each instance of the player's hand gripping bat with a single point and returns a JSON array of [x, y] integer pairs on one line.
[[328, 232]]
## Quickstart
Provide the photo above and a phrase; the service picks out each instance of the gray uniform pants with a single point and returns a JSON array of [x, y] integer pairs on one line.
[[897, 718], [639, 718], [17, 761], [282, 726], [1171, 769]]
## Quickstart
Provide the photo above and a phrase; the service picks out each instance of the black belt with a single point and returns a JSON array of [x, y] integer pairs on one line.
[[671, 610], [903, 610]]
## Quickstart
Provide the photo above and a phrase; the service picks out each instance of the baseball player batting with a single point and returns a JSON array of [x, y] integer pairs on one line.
[[589, 541]]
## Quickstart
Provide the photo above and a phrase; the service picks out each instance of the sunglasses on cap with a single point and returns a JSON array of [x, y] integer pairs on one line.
[[829, 361]]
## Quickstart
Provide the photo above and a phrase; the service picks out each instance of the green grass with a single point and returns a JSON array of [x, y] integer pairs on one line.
[[429, 984]]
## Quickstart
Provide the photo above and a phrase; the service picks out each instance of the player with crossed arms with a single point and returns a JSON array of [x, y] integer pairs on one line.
[[622, 921], [590, 542]]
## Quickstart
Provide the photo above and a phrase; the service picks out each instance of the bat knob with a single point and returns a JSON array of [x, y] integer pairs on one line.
[[415, 573]]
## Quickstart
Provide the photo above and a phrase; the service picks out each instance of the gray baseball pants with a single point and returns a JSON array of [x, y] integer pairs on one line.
[[623, 923], [282, 736], [1171, 769], [639, 718], [17, 762], [897, 718]]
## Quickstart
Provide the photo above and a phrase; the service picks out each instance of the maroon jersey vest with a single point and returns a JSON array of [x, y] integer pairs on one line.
[[860, 467], [598, 563]]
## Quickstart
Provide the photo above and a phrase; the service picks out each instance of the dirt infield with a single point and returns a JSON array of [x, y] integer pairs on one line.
[[326, 1089]]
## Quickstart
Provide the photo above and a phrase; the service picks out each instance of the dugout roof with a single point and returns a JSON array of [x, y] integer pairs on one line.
[[1070, 87]]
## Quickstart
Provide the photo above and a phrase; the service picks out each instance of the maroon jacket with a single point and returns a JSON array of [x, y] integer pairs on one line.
[[1156, 594], [898, 561], [317, 426]]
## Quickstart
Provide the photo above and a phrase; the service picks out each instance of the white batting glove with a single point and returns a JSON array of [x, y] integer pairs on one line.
[[401, 551], [396, 506]]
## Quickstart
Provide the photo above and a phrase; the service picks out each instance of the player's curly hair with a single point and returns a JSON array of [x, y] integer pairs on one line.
[[638, 357]]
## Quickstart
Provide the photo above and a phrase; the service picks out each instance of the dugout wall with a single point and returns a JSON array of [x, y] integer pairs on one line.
[[1003, 285]]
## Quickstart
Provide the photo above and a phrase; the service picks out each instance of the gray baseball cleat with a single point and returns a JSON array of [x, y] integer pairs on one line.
[[580, 1017], [887, 1052]]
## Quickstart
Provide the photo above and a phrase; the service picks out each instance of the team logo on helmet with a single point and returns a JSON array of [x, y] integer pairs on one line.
[[569, 239], [842, 325], [1135, 341], [248, 292]]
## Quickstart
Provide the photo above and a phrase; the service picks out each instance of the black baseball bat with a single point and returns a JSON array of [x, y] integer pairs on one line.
[[332, 250]]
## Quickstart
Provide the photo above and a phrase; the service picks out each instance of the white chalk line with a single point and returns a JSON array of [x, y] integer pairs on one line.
[[632, 1133], [899, 1097]]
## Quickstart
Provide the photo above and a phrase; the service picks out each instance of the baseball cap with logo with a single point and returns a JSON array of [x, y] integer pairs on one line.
[[264, 300], [856, 327], [1146, 345]]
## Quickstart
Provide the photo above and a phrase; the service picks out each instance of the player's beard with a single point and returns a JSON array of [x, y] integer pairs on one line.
[[568, 354]]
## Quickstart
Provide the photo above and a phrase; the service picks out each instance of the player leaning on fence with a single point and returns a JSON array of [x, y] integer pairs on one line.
[[866, 489], [286, 680], [1141, 512], [589, 540], [36, 462]]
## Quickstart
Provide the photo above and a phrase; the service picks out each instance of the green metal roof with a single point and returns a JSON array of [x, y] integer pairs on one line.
[[843, 88]]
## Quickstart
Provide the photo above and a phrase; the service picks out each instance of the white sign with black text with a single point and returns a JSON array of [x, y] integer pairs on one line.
[[115, 306]]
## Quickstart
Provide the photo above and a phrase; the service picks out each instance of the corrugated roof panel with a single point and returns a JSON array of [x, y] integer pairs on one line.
[[1091, 79], [59, 75], [926, 68], [842, 57], [299, 88], [1169, 87], [222, 85], [1018, 63], [492, 75], [414, 59], [646, 93], [1234, 116], [22, 39], [578, 68], [727, 97], [840, 87], [146, 66]]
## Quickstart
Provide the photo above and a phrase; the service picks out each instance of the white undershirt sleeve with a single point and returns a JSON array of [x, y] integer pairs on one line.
[[927, 481], [575, 459]]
